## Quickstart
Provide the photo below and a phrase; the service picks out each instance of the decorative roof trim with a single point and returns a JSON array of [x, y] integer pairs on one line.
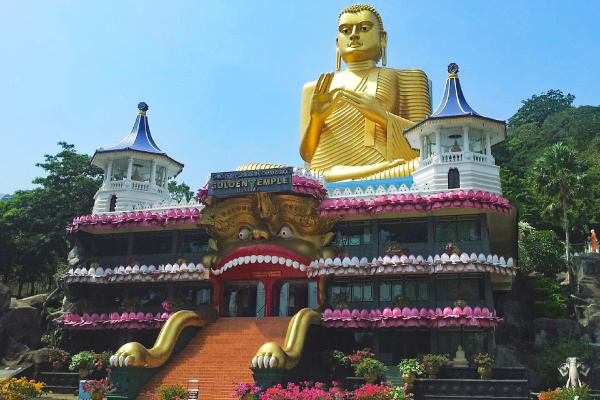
[[134, 219], [175, 272], [406, 317], [132, 320], [411, 202], [413, 265]]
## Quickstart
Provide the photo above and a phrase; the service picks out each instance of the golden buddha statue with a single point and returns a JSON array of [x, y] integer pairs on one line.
[[351, 121]]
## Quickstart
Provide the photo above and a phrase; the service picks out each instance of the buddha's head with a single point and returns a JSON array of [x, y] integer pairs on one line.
[[361, 36]]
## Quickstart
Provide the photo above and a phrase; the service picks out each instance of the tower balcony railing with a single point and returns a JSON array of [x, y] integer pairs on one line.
[[133, 185], [460, 156]]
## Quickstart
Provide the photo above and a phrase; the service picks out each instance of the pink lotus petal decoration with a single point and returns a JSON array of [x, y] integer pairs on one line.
[[424, 317]]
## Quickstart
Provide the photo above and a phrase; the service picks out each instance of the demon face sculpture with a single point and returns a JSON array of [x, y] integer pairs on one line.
[[261, 226]]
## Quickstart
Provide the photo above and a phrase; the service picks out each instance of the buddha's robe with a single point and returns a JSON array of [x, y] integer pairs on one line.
[[349, 139]]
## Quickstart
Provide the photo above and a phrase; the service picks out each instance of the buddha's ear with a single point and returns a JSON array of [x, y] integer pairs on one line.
[[384, 48], [338, 56]]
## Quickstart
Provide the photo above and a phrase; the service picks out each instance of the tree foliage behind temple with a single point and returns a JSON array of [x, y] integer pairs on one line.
[[32, 222], [543, 121]]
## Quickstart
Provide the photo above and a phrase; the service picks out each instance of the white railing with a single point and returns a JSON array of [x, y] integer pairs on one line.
[[457, 157], [143, 187]]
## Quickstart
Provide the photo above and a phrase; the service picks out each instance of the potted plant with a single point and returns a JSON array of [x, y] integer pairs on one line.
[[57, 357], [82, 362], [433, 362], [335, 360], [171, 392], [451, 248], [484, 363], [103, 359], [401, 300], [98, 389], [410, 368], [133, 260], [130, 304], [394, 249], [460, 292], [172, 306], [341, 299], [244, 390], [370, 369]]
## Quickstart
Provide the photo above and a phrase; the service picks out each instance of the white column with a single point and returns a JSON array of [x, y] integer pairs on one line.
[[153, 174], [488, 144], [422, 138], [108, 176], [466, 139], [129, 168], [438, 142]]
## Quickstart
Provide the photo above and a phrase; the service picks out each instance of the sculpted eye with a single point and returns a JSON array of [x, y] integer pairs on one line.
[[285, 232], [345, 31], [244, 234], [365, 28]]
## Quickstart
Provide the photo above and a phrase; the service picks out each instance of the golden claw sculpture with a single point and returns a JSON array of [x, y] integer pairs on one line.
[[136, 355], [272, 355]]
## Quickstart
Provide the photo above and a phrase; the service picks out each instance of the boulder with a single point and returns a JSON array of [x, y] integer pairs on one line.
[[10, 349], [4, 298], [556, 330], [21, 323]]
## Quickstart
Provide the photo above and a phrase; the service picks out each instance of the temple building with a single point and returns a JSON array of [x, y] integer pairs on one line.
[[393, 236]]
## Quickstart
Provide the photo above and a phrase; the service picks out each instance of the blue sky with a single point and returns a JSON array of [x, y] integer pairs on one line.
[[223, 79]]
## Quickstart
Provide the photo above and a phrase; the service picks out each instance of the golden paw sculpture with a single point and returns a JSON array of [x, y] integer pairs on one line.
[[136, 355], [272, 355]]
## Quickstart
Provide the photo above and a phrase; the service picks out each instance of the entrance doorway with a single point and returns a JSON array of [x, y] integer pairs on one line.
[[292, 296], [243, 299]]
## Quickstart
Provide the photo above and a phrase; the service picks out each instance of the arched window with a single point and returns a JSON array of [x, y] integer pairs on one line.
[[453, 178], [113, 203]]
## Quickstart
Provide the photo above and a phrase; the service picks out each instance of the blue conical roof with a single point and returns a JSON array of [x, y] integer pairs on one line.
[[139, 139], [453, 104]]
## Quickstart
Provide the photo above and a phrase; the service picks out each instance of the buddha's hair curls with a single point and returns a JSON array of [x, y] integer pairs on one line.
[[362, 7]]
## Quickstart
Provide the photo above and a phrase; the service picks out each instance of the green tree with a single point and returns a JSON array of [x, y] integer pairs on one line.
[[542, 252], [559, 174], [180, 191], [538, 108], [32, 222]]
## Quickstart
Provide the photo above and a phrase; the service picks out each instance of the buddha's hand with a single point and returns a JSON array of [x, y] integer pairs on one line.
[[323, 101], [368, 105], [270, 355]]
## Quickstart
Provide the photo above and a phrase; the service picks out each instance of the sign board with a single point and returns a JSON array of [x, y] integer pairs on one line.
[[259, 180]]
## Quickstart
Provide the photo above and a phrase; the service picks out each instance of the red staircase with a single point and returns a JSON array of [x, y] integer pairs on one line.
[[219, 355]]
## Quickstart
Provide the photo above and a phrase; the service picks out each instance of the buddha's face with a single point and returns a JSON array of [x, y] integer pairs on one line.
[[358, 37]]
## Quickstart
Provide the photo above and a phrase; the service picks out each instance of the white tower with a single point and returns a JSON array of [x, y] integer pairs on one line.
[[136, 171], [455, 144]]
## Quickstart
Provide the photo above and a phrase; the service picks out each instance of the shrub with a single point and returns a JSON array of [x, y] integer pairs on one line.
[[566, 393], [304, 391], [103, 359], [369, 366], [543, 252], [410, 365], [551, 299], [374, 392], [551, 356], [20, 389], [82, 360], [172, 392]]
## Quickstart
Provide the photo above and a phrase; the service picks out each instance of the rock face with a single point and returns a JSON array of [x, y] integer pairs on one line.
[[4, 298], [20, 326]]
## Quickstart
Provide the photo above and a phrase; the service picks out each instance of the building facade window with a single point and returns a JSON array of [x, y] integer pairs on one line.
[[453, 178]]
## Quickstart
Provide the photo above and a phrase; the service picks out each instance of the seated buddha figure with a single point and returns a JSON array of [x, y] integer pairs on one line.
[[352, 121]]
